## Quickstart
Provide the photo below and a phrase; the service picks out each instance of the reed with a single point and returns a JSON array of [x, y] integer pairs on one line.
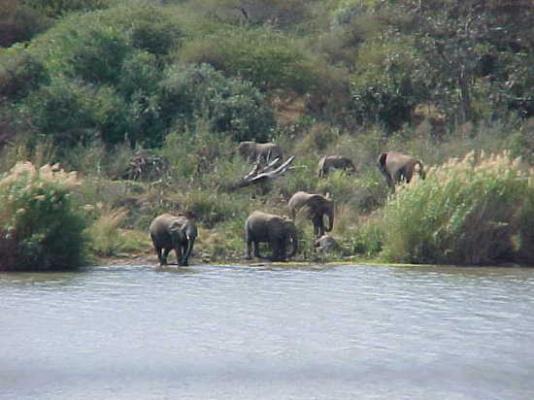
[[468, 211]]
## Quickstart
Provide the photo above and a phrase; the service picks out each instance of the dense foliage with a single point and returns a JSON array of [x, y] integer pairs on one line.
[[40, 226], [95, 84], [468, 211]]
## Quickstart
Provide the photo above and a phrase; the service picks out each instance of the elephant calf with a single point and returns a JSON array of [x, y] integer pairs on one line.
[[169, 232], [329, 163], [252, 151], [317, 207], [261, 227], [398, 167]]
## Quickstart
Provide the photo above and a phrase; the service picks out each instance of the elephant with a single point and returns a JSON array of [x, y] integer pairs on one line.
[[278, 231], [329, 163], [317, 207], [326, 244], [178, 233], [397, 167], [252, 151]]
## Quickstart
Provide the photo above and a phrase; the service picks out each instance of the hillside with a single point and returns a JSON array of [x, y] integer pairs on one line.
[[148, 101]]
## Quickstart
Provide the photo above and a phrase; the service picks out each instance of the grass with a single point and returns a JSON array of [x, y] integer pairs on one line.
[[121, 210]]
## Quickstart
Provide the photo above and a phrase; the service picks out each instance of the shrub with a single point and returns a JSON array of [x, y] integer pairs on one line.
[[139, 74], [388, 83], [93, 45], [104, 236], [211, 207], [522, 142], [40, 226], [339, 184], [73, 112], [85, 48], [526, 227], [55, 8], [267, 58], [20, 73], [229, 105], [367, 240], [466, 212], [19, 23]]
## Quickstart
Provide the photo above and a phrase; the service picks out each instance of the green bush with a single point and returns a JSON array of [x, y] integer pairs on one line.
[[267, 58], [388, 83], [40, 226], [54, 8], [367, 240], [73, 113], [229, 105], [466, 212], [93, 45], [20, 73], [85, 48], [19, 23], [526, 227]]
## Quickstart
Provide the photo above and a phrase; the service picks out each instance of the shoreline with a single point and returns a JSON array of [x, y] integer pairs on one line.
[[151, 260]]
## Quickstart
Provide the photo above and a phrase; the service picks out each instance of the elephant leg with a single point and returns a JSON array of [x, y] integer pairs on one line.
[[158, 253], [274, 250], [178, 251], [282, 246], [278, 249], [399, 176], [256, 246], [390, 181], [248, 250], [318, 226], [185, 258], [166, 252]]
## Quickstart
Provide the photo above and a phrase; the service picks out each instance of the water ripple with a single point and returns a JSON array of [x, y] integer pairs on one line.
[[268, 332]]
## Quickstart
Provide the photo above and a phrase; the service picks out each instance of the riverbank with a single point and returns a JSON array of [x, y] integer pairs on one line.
[[150, 259]]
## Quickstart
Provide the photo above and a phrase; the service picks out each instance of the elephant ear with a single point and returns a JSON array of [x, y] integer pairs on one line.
[[175, 228]]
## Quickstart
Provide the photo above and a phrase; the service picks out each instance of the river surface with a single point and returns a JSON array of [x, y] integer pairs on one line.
[[206, 332]]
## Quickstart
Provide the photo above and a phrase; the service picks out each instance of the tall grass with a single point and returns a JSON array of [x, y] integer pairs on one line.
[[40, 226], [467, 211], [104, 232]]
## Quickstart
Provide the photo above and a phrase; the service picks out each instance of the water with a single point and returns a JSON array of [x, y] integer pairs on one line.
[[268, 333]]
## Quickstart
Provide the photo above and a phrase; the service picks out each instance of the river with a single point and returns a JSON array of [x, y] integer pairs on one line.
[[324, 332]]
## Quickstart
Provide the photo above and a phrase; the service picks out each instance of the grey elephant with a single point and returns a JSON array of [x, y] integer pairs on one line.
[[329, 163], [252, 151], [275, 230], [397, 167], [326, 244], [317, 207], [178, 233]]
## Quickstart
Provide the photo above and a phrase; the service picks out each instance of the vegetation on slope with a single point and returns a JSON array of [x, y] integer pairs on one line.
[[91, 83]]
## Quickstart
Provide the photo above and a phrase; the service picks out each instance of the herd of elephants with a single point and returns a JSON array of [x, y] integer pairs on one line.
[[178, 233]]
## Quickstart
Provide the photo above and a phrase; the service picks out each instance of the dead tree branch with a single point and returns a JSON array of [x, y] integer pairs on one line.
[[263, 174]]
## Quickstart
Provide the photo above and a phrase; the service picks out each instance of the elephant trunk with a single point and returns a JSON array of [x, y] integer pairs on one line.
[[190, 243], [330, 221]]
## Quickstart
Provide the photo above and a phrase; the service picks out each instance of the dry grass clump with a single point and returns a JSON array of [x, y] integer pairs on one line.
[[104, 232]]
